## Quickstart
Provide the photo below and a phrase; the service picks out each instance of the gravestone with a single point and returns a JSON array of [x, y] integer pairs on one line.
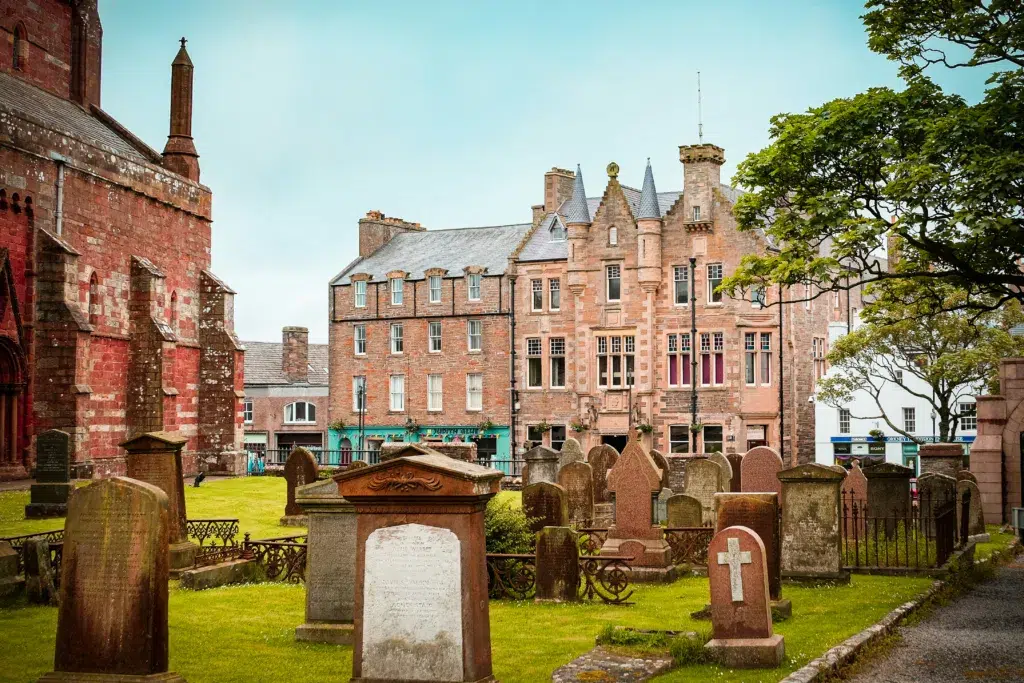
[[976, 518], [155, 458], [602, 458], [558, 566], [577, 478], [300, 469], [760, 469], [934, 492], [703, 480], [39, 584], [812, 523], [736, 462], [856, 484], [662, 463], [661, 506], [330, 564], [571, 452], [941, 458], [541, 465], [684, 511], [421, 610], [401, 449], [838, 468], [966, 474], [634, 480], [112, 622], [10, 583], [741, 620], [545, 504], [726, 466], [888, 494], [759, 512], [48, 497]]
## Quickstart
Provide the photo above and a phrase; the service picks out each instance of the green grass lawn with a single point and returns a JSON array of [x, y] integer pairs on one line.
[[997, 541]]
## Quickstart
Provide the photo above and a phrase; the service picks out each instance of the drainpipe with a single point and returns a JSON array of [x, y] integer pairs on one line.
[[512, 365], [782, 404], [693, 353]]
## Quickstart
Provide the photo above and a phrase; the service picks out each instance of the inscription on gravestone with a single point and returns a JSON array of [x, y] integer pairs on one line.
[[53, 454]]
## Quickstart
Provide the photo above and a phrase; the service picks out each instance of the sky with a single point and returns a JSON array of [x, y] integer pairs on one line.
[[307, 114]]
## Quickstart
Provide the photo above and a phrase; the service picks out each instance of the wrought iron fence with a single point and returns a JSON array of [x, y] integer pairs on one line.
[[282, 559], [511, 576], [605, 577], [591, 540], [216, 539], [18, 543], [514, 577], [277, 457], [512, 468], [689, 544], [921, 536]]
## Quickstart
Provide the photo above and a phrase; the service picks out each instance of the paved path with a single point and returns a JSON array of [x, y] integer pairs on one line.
[[979, 637]]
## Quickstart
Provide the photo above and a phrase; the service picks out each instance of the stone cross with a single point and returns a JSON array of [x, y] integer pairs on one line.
[[734, 558]]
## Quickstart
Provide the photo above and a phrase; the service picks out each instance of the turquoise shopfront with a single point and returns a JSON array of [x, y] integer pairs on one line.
[[492, 443]]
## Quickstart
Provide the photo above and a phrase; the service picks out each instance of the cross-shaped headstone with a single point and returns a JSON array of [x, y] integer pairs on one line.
[[734, 558]]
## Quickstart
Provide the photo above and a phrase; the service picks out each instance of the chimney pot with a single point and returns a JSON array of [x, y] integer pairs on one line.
[[295, 353]]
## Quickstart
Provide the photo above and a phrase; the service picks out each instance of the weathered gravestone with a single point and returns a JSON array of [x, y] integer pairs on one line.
[[812, 523], [421, 611], [759, 470], [661, 506], [112, 622], [541, 465], [39, 584], [934, 492], [48, 497], [577, 478], [703, 480], [402, 449], [330, 576], [741, 621], [357, 464], [975, 516], [558, 566], [684, 511], [966, 474], [726, 466], [941, 458], [758, 512], [545, 504], [662, 464], [736, 462], [634, 480], [10, 583], [571, 452], [888, 495], [602, 458], [300, 469], [155, 458], [854, 494]]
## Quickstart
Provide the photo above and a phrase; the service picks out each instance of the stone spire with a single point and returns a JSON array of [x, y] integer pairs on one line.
[[648, 196], [576, 210], [180, 153]]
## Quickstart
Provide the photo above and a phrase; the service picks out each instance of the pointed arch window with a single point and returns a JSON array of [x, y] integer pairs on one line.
[[93, 304], [20, 60], [613, 236]]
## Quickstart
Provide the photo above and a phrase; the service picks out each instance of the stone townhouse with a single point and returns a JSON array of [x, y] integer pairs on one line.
[[111, 323], [615, 322]]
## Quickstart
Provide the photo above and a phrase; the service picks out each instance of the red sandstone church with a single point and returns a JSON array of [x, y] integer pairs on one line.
[[111, 323]]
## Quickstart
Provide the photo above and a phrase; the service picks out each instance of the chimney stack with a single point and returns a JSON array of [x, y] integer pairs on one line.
[[180, 153], [558, 184], [295, 353]]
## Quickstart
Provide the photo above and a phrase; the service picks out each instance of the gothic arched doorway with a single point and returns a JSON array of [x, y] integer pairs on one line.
[[12, 386]]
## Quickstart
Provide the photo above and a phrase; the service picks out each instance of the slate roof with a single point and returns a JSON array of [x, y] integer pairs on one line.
[[28, 102], [576, 210], [416, 252], [263, 364], [649, 196]]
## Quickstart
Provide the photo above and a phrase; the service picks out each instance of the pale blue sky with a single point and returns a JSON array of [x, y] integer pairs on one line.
[[309, 114]]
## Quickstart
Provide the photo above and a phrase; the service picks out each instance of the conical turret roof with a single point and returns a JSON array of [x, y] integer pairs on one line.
[[576, 210], [648, 197]]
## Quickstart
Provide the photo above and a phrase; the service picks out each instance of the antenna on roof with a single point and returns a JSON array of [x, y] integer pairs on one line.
[[700, 116]]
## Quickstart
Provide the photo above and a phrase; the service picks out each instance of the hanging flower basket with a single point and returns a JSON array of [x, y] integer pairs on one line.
[[645, 428]]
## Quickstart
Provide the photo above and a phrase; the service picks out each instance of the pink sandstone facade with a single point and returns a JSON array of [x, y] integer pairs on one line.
[[996, 454]]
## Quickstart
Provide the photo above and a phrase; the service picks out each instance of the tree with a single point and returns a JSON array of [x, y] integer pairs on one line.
[[944, 178], [953, 355]]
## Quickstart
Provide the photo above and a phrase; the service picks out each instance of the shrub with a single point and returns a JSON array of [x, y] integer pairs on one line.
[[507, 529], [687, 650]]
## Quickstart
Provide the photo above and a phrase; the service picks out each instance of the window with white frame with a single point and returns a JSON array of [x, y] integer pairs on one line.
[[474, 391], [968, 416], [247, 411], [714, 279], [475, 330], [359, 337], [679, 361], [909, 420], [615, 361], [844, 421], [613, 236], [712, 358], [758, 297], [899, 376], [807, 297], [300, 412], [536, 295], [554, 294], [613, 290], [474, 286], [359, 394], [534, 363], [359, 290], [435, 393], [713, 441], [818, 357], [557, 437], [750, 356], [434, 283], [679, 439], [397, 339], [397, 291], [766, 358], [835, 298], [397, 403], [681, 276], [557, 355], [434, 336], [696, 213]]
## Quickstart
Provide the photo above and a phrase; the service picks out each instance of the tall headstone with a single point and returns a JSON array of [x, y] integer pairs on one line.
[[684, 511], [155, 458], [736, 461], [634, 480], [741, 619], [966, 474], [760, 468], [759, 512], [112, 622], [941, 458], [571, 452], [577, 478], [812, 523], [855, 485], [330, 564], [976, 518], [48, 497], [421, 611], [602, 458], [299, 470], [545, 504], [888, 495], [558, 566], [39, 583], [541, 465], [703, 480], [934, 491], [726, 466]]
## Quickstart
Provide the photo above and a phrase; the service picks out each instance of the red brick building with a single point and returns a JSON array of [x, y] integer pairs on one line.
[[111, 323]]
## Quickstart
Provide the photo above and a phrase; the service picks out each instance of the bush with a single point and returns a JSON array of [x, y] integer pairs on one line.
[[507, 529], [691, 650]]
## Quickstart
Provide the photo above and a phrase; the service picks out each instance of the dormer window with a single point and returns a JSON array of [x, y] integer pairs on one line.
[[696, 213], [397, 287], [474, 287], [613, 236], [557, 231]]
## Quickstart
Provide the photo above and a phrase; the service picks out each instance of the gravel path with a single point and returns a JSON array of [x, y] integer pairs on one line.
[[977, 638]]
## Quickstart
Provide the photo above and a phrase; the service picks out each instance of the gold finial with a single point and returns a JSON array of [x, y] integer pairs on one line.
[[613, 170]]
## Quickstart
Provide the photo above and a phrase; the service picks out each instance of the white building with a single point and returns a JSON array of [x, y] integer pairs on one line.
[[839, 436]]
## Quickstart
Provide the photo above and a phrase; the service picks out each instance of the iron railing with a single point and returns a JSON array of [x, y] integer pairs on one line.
[[281, 559], [512, 468], [216, 540], [689, 544], [277, 457], [18, 543], [921, 536], [604, 578]]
